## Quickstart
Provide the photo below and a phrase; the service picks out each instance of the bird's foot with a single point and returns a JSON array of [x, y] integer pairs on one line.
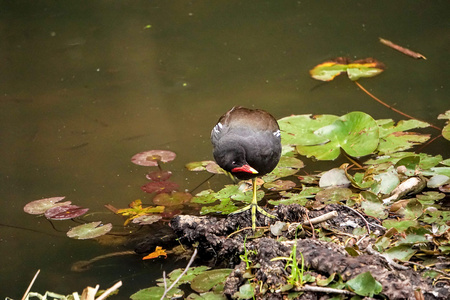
[[254, 207]]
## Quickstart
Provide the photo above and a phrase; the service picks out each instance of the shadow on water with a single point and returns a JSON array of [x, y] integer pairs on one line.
[[86, 85]]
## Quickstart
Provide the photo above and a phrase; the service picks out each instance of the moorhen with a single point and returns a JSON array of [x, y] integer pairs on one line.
[[247, 144]]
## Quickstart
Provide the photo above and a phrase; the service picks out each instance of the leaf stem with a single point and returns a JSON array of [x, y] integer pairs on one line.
[[390, 107]]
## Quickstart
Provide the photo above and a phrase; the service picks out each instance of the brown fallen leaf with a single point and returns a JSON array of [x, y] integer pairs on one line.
[[402, 49]]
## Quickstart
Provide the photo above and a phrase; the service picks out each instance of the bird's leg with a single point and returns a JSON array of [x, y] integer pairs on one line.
[[254, 207]]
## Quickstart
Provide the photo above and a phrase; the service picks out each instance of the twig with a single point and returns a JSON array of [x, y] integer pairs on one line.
[[110, 290], [31, 284], [427, 268], [361, 216], [401, 49], [323, 218], [181, 275], [390, 107], [311, 288]]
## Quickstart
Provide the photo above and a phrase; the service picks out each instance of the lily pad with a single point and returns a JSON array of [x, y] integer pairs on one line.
[[197, 166], [160, 187], [327, 71], [38, 207], [65, 212], [356, 133], [175, 198], [151, 158], [161, 175], [207, 280], [334, 177], [89, 230], [299, 129], [280, 185], [146, 219]]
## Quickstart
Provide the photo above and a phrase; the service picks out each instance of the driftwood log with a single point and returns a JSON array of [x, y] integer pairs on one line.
[[217, 241]]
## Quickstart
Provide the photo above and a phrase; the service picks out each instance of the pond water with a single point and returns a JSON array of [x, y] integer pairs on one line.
[[85, 85]]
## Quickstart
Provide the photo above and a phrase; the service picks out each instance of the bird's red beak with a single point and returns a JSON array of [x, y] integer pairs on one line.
[[245, 169]]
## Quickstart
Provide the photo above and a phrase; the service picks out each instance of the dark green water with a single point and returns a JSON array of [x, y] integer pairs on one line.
[[84, 85]]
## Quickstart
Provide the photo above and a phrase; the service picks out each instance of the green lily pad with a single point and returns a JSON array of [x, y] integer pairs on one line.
[[287, 166], [207, 280], [39, 207], [301, 198], [299, 129], [155, 293], [89, 230], [356, 133], [327, 71], [197, 166], [331, 195], [204, 197]]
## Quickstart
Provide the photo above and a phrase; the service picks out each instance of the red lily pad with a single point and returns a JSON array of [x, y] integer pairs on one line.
[[160, 187], [173, 199], [159, 175], [65, 212], [38, 207], [89, 230], [151, 158]]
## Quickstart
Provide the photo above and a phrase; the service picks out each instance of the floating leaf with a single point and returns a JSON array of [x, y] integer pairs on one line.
[[147, 219], [280, 185], [299, 130], [356, 133], [160, 187], [151, 158], [287, 166], [331, 195], [296, 198], [198, 165], [334, 177], [161, 175], [365, 285], [65, 212], [327, 71], [155, 293], [437, 181], [214, 168], [207, 280], [159, 251], [136, 210], [446, 129], [89, 230], [204, 197], [175, 198], [38, 207]]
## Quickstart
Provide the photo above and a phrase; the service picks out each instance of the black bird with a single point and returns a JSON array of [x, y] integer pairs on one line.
[[247, 144]]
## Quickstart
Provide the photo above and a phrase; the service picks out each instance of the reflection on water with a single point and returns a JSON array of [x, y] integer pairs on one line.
[[84, 86]]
